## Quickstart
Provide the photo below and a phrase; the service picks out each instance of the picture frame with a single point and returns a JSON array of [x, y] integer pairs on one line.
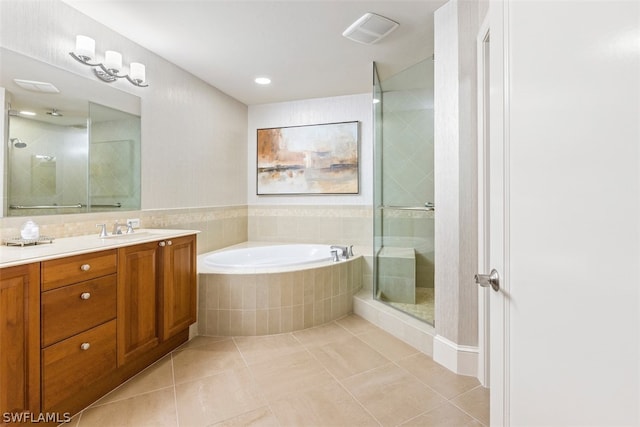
[[308, 159]]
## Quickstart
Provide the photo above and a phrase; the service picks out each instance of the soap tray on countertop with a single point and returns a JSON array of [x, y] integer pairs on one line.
[[19, 241]]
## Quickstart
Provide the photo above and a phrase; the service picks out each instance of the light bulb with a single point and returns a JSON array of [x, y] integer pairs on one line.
[[137, 72], [85, 47], [112, 60]]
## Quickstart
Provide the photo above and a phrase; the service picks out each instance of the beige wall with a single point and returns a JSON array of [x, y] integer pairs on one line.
[[457, 24]]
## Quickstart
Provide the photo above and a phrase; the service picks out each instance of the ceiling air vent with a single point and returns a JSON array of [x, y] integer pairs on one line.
[[36, 86], [370, 28]]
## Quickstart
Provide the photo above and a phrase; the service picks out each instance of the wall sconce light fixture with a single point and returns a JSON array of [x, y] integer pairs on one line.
[[108, 70]]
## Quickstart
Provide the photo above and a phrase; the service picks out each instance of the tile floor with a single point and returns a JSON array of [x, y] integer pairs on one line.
[[345, 373]]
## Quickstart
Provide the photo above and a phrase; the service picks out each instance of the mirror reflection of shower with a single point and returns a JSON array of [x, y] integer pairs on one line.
[[16, 142]]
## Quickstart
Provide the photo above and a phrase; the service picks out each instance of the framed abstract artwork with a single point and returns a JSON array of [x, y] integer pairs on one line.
[[311, 159]]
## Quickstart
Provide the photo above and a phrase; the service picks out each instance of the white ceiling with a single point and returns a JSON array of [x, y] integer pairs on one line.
[[297, 43]]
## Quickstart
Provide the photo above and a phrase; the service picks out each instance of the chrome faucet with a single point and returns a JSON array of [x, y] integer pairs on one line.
[[344, 251], [103, 230], [117, 230]]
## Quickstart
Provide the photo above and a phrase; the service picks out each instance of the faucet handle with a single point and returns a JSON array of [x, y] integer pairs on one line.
[[351, 250], [103, 230]]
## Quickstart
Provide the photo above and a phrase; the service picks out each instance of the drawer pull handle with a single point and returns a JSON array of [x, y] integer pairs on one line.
[[85, 295], [85, 346], [85, 267], [161, 244], [169, 243]]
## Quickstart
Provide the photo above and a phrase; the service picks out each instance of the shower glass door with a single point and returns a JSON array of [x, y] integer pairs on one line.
[[404, 191]]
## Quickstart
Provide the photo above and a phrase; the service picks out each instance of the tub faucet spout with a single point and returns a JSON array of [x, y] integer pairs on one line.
[[343, 249]]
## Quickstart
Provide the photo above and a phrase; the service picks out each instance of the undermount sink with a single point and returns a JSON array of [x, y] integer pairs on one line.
[[130, 236]]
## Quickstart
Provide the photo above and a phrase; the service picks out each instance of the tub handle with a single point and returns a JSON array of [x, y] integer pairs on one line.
[[334, 255]]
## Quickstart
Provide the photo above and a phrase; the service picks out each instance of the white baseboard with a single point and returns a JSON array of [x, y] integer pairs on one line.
[[412, 331], [461, 359]]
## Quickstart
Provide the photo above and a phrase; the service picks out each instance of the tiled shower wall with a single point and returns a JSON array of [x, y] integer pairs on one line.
[[408, 166]]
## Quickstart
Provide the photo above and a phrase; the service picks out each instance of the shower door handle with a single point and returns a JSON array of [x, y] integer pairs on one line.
[[486, 280]]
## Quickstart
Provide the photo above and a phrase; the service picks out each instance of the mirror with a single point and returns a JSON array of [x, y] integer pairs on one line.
[[72, 144]]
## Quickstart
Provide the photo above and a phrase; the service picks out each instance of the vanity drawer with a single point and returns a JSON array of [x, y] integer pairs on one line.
[[71, 365], [75, 308], [65, 271]]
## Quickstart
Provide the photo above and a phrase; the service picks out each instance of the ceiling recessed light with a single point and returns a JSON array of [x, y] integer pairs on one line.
[[263, 80]]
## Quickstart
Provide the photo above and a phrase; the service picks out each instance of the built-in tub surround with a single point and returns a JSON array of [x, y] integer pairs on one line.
[[275, 300]]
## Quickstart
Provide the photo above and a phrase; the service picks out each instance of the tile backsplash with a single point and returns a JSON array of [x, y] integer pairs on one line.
[[223, 226]]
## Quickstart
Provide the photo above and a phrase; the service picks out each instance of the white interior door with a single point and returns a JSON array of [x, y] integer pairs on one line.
[[565, 212]]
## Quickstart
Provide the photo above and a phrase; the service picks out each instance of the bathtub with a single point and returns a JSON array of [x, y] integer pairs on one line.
[[261, 289], [266, 258]]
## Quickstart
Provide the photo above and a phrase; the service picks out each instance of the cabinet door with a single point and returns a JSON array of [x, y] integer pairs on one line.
[[20, 339], [138, 293], [178, 285]]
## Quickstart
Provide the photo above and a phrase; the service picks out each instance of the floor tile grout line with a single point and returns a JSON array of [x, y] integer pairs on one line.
[[421, 381], [358, 401], [80, 414], [253, 378], [337, 380], [464, 410], [175, 391], [124, 384], [426, 412]]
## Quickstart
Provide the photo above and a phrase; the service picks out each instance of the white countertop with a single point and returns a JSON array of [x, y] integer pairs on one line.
[[67, 246]]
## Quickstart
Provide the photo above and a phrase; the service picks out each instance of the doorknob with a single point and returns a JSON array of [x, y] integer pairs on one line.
[[492, 279]]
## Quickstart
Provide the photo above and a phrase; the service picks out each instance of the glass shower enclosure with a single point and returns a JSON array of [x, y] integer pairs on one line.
[[404, 212]]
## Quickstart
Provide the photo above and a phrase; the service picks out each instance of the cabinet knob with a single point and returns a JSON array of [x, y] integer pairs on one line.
[[169, 243], [161, 244], [85, 295], [85, 346], [85, 267]]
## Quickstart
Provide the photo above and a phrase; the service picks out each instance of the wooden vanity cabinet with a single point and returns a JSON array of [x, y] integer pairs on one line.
[[156, 294], [178, 290], [78, 312], [138, 293], [74, 328], [20, 339]]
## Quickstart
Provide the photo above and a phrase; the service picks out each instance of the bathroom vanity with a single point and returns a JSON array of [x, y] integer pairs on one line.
[[82, 315]]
